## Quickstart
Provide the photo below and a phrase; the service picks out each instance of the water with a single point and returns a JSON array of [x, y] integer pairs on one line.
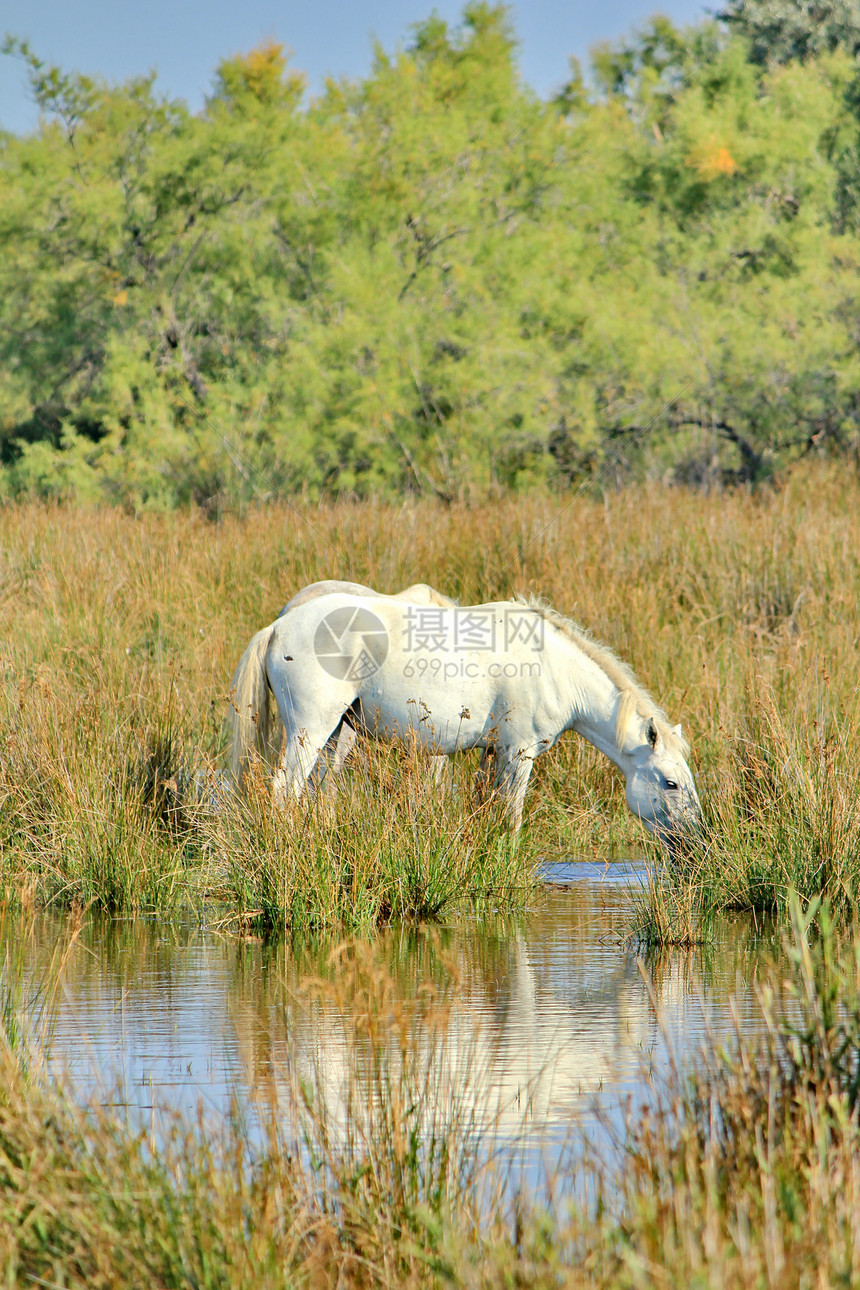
[[551, 1015]]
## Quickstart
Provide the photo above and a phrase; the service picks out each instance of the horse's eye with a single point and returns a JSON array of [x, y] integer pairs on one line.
[[670, 783]]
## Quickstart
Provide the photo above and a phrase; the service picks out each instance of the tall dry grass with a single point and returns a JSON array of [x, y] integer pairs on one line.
[[738, 611]]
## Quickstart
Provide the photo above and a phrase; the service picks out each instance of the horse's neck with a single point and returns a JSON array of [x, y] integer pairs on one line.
[[594, 702]]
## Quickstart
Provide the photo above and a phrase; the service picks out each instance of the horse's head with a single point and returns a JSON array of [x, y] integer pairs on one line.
[[660, 787]]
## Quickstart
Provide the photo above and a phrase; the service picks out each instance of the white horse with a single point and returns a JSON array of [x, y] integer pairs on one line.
[[508, 677]]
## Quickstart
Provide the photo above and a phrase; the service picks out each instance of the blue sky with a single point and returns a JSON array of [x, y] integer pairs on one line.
[[183, 40]]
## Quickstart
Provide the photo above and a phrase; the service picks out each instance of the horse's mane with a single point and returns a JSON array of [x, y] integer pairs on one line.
[[635, 699]]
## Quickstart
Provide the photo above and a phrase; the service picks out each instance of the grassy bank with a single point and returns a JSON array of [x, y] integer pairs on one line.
[[742, 1172], [738, 611], [395, 846]]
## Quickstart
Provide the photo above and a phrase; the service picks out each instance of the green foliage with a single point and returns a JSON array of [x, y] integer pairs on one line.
[[429, 280], [783, 31]]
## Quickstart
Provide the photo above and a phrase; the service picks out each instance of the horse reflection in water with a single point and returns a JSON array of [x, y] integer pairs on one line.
[[507, 1051]]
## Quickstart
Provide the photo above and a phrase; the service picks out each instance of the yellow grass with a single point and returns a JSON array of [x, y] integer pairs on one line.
[[738, 612]]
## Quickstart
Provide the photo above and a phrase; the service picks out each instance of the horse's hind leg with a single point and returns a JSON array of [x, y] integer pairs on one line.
[[512, 776], [333, 758], [310, 726], [302, 752], [443, 772], [346, 741]]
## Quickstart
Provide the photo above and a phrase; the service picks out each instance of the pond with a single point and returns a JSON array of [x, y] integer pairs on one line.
[[553, 1014]]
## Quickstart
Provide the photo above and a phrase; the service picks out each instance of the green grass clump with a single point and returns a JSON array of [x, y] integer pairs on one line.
[[671, 908], [391, 845], [782, 818], [89, 804], [788, 816]]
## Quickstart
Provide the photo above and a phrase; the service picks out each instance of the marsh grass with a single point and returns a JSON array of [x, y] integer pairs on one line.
[[391, 845], [101, 808], [90, 810], [782, 818], [790, 820], [738, 611]]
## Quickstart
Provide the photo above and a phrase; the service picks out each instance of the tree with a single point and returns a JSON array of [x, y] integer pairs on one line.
[[784, 31], [428, 279]]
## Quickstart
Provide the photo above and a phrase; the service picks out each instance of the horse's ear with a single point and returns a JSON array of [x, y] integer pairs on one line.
[[676, 730], [651, 733]]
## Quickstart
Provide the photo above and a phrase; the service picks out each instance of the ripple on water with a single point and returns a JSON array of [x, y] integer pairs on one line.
[[553, 1008], [623, 873]]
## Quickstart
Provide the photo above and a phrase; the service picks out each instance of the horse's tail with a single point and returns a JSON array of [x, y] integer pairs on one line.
[[253, 721]]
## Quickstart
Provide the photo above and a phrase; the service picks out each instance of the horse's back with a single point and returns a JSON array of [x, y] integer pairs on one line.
[[420, 593], [327, 587]]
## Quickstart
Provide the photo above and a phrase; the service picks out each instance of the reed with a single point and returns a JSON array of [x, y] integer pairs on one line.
[[782, 818], [737, 610], [392, 845]]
